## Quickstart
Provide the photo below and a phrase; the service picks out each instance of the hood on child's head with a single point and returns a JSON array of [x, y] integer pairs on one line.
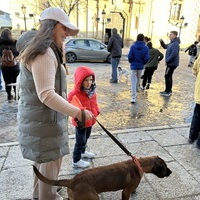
[[80, 74]]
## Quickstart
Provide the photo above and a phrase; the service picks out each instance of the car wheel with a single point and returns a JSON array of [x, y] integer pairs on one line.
[[108, 60], [70, 57]]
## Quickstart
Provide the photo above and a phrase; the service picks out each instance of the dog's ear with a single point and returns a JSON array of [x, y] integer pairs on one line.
[[119, 68], [160, 168]]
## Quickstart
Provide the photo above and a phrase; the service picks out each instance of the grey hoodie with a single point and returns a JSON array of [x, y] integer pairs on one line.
[[115, 45]]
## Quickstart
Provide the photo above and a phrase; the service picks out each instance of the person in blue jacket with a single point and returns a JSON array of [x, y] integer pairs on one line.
[[138, 56], [171, 60]]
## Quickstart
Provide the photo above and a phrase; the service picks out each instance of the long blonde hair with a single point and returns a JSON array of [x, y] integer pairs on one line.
[[40, 42]]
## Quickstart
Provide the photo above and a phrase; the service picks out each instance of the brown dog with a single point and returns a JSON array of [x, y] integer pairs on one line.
[[124, 175]]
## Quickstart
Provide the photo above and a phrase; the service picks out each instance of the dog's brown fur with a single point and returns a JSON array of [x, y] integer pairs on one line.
[[124, 175]]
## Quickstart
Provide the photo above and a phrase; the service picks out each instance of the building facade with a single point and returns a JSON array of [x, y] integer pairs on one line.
[[5, 20], [96, 18]]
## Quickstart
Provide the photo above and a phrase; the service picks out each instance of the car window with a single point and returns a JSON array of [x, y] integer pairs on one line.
[[94, 44], [81, 43]]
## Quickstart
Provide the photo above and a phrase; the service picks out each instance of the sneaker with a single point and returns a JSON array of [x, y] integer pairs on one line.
[[191, 141], [148, 85], [87, 154], [143, 88], [166, 94], [81, 164], [113, 81], [133, 100]]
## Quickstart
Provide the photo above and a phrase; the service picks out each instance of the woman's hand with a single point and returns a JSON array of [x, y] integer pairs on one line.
[[88, 115]]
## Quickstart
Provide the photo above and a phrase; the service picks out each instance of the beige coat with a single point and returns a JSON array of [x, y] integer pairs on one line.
[[196, 72]]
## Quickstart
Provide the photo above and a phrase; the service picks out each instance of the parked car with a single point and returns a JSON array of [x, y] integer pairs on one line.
[[86, 49]]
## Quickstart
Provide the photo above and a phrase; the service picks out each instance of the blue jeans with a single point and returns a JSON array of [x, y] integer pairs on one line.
[[82, 136], [114, 63], [195, 125]]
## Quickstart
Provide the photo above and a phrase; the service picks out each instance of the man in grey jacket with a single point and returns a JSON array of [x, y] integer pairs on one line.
[[115, 46]]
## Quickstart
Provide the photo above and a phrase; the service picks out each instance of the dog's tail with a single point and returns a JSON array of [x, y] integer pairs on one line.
[[64, 182]]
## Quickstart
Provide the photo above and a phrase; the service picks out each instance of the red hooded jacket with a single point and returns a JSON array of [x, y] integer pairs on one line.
[[89, 103]]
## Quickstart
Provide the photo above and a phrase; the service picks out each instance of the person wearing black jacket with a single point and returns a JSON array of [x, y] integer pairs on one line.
[[115, 46], [192, 51], [155, 57], [9, 73]]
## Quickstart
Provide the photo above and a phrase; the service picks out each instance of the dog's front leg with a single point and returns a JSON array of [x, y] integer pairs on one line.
[[125, 195], [128, 190]]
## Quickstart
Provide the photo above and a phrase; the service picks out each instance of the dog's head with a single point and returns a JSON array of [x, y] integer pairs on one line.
[[160, 168], [119, 68]]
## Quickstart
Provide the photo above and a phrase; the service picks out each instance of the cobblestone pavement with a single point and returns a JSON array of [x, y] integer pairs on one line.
[[117, 112], [155, 125]]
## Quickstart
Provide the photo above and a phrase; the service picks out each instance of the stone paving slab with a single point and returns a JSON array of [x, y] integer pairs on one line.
[[168, 143]]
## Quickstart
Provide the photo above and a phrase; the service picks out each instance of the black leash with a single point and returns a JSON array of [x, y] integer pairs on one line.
[[135, 160], [115, 139]]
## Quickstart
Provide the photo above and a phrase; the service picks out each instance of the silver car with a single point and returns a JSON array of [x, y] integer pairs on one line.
[[86, 49]]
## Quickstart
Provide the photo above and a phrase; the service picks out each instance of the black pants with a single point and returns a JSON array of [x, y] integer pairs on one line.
[[195, 125], [10, 76], [168, 78], [147, 76]]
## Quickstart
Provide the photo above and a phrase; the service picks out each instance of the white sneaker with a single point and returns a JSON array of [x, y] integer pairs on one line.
[[143, 88], [81, 163], [133, 100], [87, 154]]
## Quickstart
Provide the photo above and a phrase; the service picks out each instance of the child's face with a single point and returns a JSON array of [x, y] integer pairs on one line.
[[88, 82]]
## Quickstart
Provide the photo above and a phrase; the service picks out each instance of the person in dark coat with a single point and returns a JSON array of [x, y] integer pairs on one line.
[[151, 66], [9, 73], [115, 46], [192, 52], [171, 60]]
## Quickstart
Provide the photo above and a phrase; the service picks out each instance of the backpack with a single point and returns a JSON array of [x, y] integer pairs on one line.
[[7, 58]]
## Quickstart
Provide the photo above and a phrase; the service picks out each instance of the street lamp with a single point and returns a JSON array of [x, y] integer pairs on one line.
[[152, 24], [23, 8], [104, 21], [181, 25]]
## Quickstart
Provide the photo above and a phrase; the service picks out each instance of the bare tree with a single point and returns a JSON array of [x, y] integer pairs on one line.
[[67, 5]]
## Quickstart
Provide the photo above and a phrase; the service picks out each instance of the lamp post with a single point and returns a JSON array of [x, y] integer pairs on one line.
[[104, 21], [181, 25], [23, 8], [152, 24]]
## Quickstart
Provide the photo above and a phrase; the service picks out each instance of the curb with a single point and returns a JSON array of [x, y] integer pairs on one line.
[[117, 132]]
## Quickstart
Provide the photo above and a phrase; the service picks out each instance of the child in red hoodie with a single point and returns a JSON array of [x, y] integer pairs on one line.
[[84, 91]]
